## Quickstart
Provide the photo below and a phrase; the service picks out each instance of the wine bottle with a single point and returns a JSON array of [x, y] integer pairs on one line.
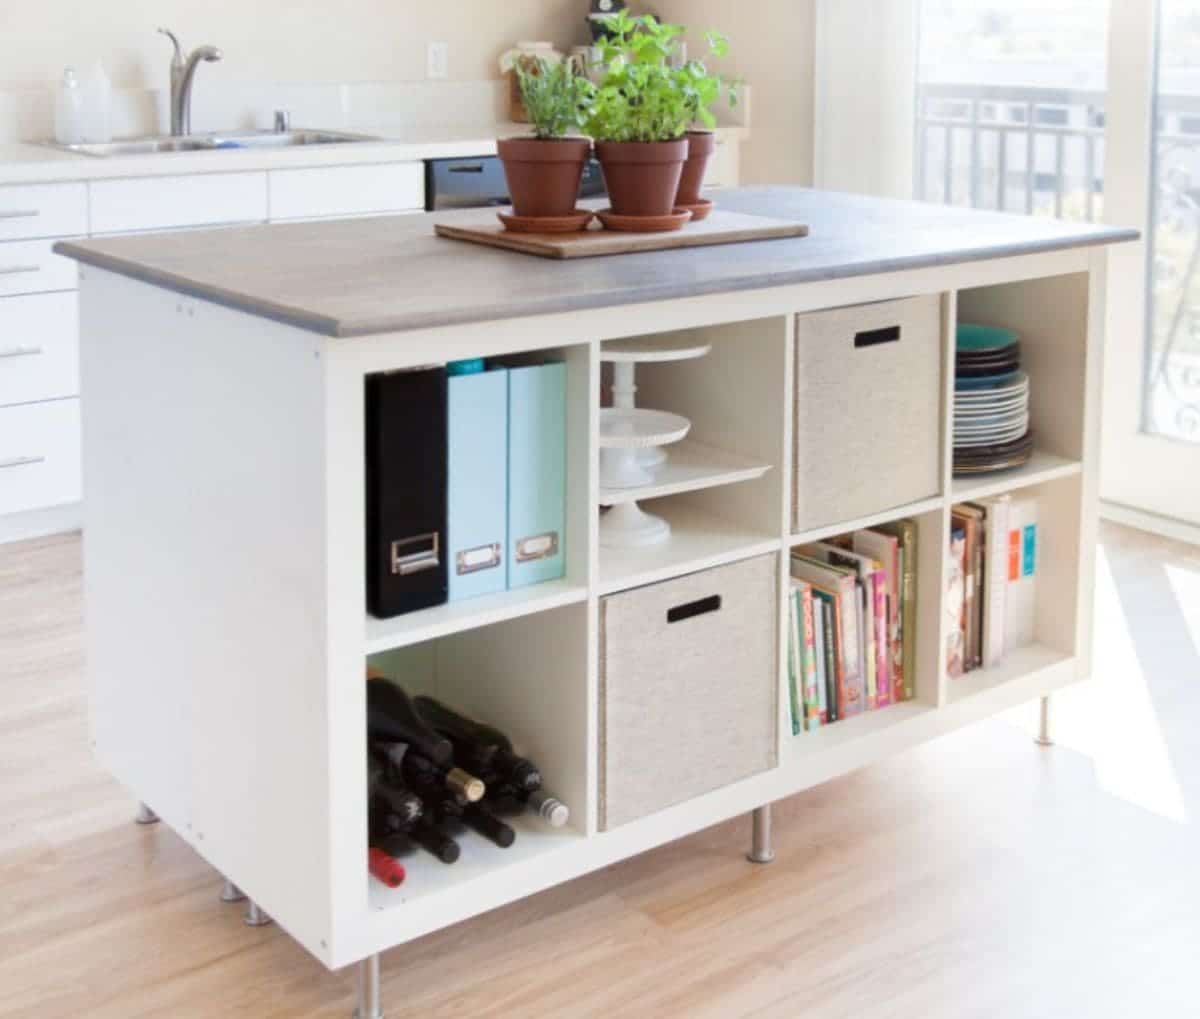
[[412, 768], [480, 746], [385, 867], [391, 717], [390, 820], [551, 810], [433, 840], [488, 825]]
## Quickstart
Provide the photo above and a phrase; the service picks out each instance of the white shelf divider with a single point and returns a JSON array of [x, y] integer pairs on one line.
[[454, 617], [692, 466], [699, 541], [1042, 467]]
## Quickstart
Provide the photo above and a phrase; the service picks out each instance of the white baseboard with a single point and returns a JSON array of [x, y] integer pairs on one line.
[[39, 523], [1143, 520]]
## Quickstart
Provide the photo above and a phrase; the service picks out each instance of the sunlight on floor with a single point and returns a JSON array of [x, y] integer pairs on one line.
[[1112, 719]]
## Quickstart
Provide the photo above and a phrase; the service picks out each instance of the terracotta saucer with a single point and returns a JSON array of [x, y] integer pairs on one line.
[[700, 210], [644, 224], [572, 224]]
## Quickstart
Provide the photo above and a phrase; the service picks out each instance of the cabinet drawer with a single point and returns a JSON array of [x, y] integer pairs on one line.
[[347, 190], [868, 410], [30, 267], [39, 347], [162, 203], [39, 455], [688, 687], [42, 210]]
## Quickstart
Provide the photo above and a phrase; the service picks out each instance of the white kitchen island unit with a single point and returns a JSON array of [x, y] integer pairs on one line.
[[224, 569]]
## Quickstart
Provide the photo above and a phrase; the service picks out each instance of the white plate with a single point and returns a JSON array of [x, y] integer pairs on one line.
[[990, 440], [991, 395]]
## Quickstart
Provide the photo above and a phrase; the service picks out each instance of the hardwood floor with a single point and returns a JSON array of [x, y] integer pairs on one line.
[[977, 877]]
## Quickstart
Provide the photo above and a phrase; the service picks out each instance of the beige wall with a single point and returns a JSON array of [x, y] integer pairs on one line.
[[385, 40], [771, 47], [273, 40]]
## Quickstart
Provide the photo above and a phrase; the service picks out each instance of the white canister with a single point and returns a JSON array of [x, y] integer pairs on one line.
[[68, 110], [97, 105]]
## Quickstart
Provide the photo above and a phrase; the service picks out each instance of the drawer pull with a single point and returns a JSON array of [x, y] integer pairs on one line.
[[22, 461], [467, 168], [20, 352], [19, 214], [413, 555], [694, 608], [874, 337], [16, 270]]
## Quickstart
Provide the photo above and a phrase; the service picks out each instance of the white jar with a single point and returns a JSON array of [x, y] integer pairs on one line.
[[68, 110]]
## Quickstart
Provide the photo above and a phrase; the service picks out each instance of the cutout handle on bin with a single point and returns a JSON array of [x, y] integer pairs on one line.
[[874, 337], [694, 608]]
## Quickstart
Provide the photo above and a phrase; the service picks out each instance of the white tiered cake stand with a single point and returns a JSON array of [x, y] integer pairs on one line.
[[632, 438], [626, 354]]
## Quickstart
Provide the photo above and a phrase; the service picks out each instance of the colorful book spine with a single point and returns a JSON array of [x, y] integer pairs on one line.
[[1020, 598], [812, 709], [883, 676], [797, 711], [905, 532], [819, 645], [833, 660], [955, 603]]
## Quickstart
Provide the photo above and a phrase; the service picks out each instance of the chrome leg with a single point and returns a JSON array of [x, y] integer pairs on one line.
[[231, 892], [760, 845], [368, 990], [145, 815], [255, 917], [1044, 735]]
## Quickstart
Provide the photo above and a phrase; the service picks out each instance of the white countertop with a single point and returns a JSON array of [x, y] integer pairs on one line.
[[31, 163]]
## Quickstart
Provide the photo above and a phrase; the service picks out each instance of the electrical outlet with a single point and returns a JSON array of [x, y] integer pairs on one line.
[[437, 60]]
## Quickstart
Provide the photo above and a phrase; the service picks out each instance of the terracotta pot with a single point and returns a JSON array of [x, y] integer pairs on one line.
[[701, 146], [543, 174], [642, 177]]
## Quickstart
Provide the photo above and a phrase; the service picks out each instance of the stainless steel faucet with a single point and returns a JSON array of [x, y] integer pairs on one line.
[[183, 70]]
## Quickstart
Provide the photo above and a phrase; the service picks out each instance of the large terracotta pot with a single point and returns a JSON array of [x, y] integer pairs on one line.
[[701, 146], [543, 174], [642, 177]]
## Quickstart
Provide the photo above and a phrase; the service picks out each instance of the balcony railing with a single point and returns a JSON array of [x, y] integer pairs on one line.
[[1041, 150]]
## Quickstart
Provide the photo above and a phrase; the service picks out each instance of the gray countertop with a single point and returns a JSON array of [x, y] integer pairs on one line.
[[390, 274]]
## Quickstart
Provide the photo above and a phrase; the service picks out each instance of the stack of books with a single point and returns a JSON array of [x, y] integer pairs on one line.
[[852, 615], [990, 601]]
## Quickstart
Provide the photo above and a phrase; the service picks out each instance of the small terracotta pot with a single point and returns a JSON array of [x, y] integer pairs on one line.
[[642, 177], [543, 174], [701, 146]]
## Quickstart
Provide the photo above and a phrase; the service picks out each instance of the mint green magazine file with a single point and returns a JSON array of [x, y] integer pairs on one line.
[[477, 483], [537, 473]]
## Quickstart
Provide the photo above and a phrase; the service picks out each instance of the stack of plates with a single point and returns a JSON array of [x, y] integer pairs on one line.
[[991, 402]]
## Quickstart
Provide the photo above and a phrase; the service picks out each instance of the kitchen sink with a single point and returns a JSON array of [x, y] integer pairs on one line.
[[218, 142]]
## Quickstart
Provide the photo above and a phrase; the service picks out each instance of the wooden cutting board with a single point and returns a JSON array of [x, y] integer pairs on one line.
[[720, 227]]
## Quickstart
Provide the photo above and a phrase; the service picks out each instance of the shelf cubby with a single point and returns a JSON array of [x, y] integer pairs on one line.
[[1050, 317], [527, 676], [452, 617], [1060, 631]]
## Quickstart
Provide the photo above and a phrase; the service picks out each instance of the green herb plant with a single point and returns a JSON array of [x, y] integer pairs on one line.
[[557, 99], [642, 97]]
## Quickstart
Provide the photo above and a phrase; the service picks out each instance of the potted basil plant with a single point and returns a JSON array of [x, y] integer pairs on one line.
[[640, 116], [544, 171], [702, 90]]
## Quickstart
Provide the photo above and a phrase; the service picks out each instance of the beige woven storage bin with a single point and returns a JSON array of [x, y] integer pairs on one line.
[[868, 410], [688, 687]]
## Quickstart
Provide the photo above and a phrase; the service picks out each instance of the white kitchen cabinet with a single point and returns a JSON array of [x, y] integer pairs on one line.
[[164, 203], [43, 210], [344, 191], [31, 267], [39, 455], [39, 347]]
